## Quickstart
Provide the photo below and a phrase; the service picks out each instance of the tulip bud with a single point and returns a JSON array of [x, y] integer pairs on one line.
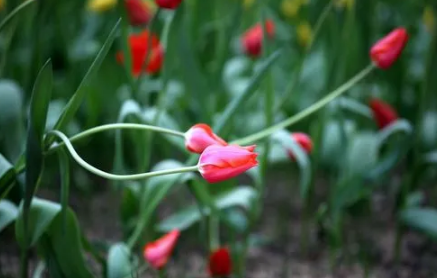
[[138, 45], [219, 163], [388, 49], [158, 252], [200, 136], [252, 40], [220, 263], [138, 11], [383, 113], [304, 142], [168, 4]]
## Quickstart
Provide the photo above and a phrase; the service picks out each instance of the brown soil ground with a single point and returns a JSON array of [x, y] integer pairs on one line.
[[279, 258]]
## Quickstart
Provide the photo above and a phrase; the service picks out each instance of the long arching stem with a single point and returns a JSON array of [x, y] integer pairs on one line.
[[110, 176]]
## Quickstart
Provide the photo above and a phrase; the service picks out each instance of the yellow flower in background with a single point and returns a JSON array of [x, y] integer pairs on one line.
[[341, 4], [101, 5], [428, 18], [304, 34], [290, 8], [248, 3], [2, 4]]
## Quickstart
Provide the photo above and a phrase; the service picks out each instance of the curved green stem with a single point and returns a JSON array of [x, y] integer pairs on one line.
[[310, 110], [118, 126], [295, 81], [106, 175], [319, 23], [14, 12]]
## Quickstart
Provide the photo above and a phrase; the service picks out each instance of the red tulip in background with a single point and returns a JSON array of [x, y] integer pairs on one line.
[[200, 136], [383, 113], [304, 142], [219, 163], [388, 49], [252, 40], [138, 44], [158, 252], [220, 263], [168, 4], [138, 11]]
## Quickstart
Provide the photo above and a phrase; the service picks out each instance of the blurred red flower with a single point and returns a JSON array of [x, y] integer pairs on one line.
[[168, 4], [220, 263], [138, 44], [383, 113], [138, 11], [251, 41], [304, 142], [388, 49], [158, 252]]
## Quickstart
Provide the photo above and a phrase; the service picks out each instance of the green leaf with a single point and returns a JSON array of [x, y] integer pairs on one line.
[[7, 176], [11, 107], [236, 103], [8, 213], [76, 100], [428, 130], [331, 145], [286, 141], [12, 14], [119, 261], [157, 188], [39, 104], [67, 247], [41, 214], [239, 197], [355, 107], [362, 154], [399, 147], [422, 219], [429, 158]]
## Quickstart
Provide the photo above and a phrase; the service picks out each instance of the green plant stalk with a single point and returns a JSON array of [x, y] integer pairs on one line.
[[7, 43], [117, 126], [109, 176], [407, 183], [11, 15], [125, 42], [293, 84], [153, 25], [145, 218], [308, 111], [259, 184]]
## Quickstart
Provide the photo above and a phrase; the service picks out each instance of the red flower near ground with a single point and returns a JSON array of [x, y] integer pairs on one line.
[[138, 11], [158, 252], [304, 142], [200, 136], [219, 163], [138, 44], [383, 113], [388, 49], [220, 263], [251, 41], [168, 4]]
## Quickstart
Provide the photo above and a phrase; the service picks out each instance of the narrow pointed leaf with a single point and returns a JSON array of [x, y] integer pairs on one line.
[[233, 106], [76, 100], [8, 213]]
